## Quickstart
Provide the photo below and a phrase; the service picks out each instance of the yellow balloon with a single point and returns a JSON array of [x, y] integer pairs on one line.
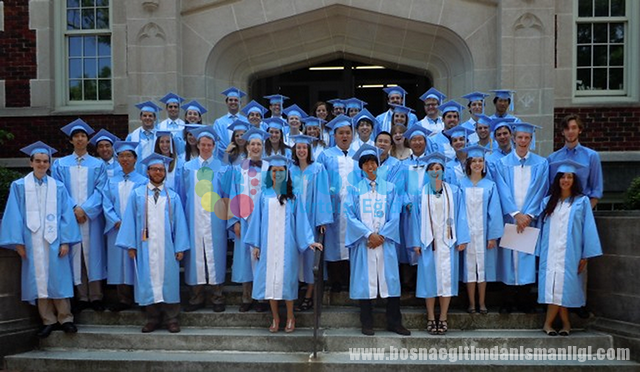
[[209, 201]]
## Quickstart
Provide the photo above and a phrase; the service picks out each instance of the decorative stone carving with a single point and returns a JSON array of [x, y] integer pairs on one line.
[[528, 20], [150, 5]]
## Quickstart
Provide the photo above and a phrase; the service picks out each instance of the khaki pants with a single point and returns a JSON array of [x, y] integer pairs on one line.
[[156, 312], [86, 290], [199, 294], [55, 310]]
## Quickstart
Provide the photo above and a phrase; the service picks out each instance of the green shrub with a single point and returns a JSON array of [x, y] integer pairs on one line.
[[6, 177], [632, 196]]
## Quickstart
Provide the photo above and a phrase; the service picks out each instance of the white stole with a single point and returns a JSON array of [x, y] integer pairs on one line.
[[426, 234], [33, 208]]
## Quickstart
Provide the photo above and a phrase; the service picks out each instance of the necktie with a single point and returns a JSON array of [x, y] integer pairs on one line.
[[173, 124], [79, 161], [205, 163], [147, 134], [156, 194], [126, 177], [345, 152], [522, 161]]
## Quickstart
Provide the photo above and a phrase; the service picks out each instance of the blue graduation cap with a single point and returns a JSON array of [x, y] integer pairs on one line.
[[302, 138], [337, 102], [565, 166], [233, 92], [171, 98], [295, 110], [104, 135], [484, 120], [191, 127], [148, 106], [434, 157], [367, 149], [254, 133], [156, 158], [475, 96], [276, 98], [195, 106], [433, 93], [354, 103], [312, 121], [525, 127], [339, 122], [254, 106], [451, 106], [502, 122], [396, 90], [476, 151], [239, 125], [400, 109], [120, 146], [458, 131], [276, 123], [364, 115], [205, 131], [277, 160], [77, 124], [505, 94], [38, 147], [417, 130]]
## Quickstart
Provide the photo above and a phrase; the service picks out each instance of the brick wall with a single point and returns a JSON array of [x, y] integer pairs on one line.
[[47, 129], [18, 57], [606, 128]]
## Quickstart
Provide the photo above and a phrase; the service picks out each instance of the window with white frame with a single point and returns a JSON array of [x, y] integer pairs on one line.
[[87, 38], [602, 48]]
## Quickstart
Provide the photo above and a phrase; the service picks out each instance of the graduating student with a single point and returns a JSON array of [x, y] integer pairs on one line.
[[390, 167], [503, 102], [522, 180], [432, 121], [501, 129], [451, 113], [400, 147], [103, 142], [166, 145], [476, 110], [455, 168], [255, 114], [569, 237], [205, 263], [478, 262], [311, 187], [275, 144], [278, 232], [395, 96], [245, 187], [276, 104], [155, 234], [438, 232], [353, 106], [236, 152], [120, 270], [145, 134], [295, 117], [313, 127], [342, 172], [373, 213], [363, 122], [401, 115], [338, 107], [85, 177], [193, 112], [173, 123], [221, 125], [39, 225]]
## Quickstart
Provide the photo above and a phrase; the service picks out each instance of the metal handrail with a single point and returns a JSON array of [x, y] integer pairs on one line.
[[318, 292]]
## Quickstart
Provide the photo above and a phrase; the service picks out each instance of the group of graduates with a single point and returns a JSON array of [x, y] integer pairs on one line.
[[384, 196]]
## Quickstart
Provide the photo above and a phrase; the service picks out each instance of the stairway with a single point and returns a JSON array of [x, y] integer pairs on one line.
[[233, 341]]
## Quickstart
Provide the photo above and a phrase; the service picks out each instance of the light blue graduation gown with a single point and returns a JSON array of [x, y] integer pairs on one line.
[[281, 232], [145, 146], [175, 180], [157, 269], [221, 127], [438, 269], [568, 235], [434, 126], [590, 176], [390, 170], [92, 173], [454, 171], [311, 187], [116, 194], [373, 271], [44, 274], [491, 161], [176, 127], [441, 143], [343, 171], [409, 182], [385, 122], [206, 261], [113, 167], [505, 116], [517, 268], [484, 218]]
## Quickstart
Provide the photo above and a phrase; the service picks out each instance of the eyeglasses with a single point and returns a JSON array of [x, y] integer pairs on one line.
[[156, 169]]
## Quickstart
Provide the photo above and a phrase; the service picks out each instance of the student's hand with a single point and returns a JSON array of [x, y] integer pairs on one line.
[[179, 256], [230, 148], [462, 247], [132, 253], [374, 241], [117, 225], [322, 229], [582, 265], [256, 253], [417, 250], [236, 229], [522, 220], [492, 244], [21, 251], [81, 217], [64, 250], [315, 246]]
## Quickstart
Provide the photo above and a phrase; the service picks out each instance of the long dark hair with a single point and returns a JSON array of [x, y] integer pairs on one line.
[[282, 147], [284, 196], [174, 152], [294, 156], [233, 155], [576, 190]]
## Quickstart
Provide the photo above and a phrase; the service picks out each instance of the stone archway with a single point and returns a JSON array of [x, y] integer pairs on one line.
[[339, 31]]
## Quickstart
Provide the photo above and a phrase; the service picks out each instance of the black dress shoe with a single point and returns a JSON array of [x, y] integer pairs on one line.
[[45, 331], [173, 327], [246, 307], [401, 330], [193, 307], [97, 305], [149, 327], [119, 307], [69, 327], [368, 331], [80, 305], [218, 308]]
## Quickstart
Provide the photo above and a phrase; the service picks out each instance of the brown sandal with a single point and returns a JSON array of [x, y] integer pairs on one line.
[[432, 327], [442, 327]]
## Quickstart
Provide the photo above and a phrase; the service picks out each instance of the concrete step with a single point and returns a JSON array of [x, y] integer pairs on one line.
[[332, 340], [332, 317], [171, 361]]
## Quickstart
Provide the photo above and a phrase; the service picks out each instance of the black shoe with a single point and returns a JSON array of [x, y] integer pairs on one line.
[[119, 307], [193, 307], [218, 308], [368, 331], [246, 307], [45, 331], [69, 327], [260, 307], [401, 330], [81, 305], [97, 305]]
